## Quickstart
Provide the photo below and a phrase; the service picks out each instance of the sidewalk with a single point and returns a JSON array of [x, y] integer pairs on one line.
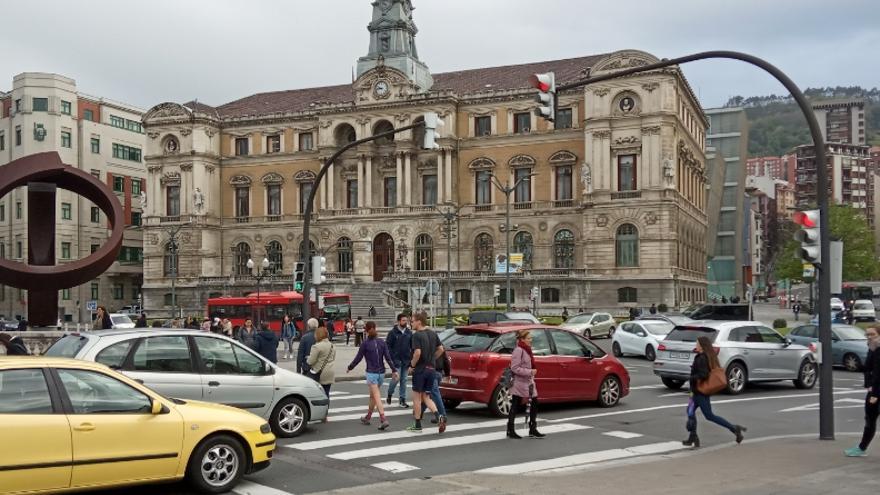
[[781, 466], [344, 355]]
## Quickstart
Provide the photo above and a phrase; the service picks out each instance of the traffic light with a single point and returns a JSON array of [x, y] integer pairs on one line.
[[808, 235], [319, 268], [497, 291], [299, 276], [433, 125], [534, 294], [546, 86]]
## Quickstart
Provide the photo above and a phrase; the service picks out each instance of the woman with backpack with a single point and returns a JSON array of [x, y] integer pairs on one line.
[[704, 363], [522, 388]]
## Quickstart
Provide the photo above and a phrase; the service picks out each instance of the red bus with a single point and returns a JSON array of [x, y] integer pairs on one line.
[[270, 308]]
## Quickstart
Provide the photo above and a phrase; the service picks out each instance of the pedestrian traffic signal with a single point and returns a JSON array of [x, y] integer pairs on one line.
[[319, 268], [809, 221], [497, 291], [535, 293], [433, 127], [546, 86], [299, 276]]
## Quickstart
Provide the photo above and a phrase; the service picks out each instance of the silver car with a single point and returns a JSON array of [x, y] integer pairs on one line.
[[189, 364], [749, 351], [591, 324]]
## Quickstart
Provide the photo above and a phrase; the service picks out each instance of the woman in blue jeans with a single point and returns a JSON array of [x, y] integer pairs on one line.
[[704, 362], [288, 333]]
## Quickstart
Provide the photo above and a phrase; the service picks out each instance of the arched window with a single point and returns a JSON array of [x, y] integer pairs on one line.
[[241, 254], [563, 249], [424, 253], [344, 134], [522, 243], [169, 261], [383, 126], [275, 255], [302, 251], [484, 252], [345, 255], [627, 246]]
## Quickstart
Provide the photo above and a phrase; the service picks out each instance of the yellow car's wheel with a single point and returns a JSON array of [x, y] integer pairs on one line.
[[217, 464]]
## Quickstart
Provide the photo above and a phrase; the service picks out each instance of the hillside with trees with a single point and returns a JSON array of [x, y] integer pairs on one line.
[[776, 124]]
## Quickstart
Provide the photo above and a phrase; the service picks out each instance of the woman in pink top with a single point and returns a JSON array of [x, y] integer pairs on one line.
[[522, 365]]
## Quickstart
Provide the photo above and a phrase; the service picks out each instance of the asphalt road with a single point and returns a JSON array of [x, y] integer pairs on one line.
[[343, 453]]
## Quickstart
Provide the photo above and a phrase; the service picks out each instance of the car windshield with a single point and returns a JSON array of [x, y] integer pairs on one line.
[[466, 341], [690, 334], [850, 333], [864, 305], [679, 320], [522, 316], [584, 318], [658, 327], [67, 346], [120, 319]]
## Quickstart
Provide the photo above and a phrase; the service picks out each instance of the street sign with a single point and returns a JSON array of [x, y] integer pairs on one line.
[[432, 287], [91, 305], [449, 298], [809, 270]]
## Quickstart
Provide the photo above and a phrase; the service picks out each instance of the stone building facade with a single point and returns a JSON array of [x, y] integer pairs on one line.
[[614, 215]]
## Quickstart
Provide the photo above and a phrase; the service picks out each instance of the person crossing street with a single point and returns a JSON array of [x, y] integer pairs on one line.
[[399, 341], [426, 349], [705, 361], [523, 390], [872, 399], [376, 353]]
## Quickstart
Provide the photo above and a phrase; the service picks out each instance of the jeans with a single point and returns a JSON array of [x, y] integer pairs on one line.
[[704, 404], [402, 371], [435, 395], [327, 392], [871, 413], [288, 345]]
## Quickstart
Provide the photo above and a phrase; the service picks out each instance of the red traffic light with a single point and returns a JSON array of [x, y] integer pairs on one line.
[[807, 219], [543, 82]]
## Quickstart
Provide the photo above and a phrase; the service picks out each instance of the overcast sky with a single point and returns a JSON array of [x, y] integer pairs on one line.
[[150, 51]]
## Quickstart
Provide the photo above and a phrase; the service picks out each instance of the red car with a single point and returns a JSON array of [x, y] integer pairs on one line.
[[570, 367]]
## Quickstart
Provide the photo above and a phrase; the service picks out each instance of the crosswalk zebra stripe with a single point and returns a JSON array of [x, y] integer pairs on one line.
[[443, 442], [626, 435], [334, 398], [348, 417], [582, 460], [390, 435], [245, 487]]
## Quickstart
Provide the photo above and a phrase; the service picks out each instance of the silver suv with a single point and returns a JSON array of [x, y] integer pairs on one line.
[[749, 351], [194, 365]]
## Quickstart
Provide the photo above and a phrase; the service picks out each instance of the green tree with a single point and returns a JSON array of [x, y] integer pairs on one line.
[[789, 265]]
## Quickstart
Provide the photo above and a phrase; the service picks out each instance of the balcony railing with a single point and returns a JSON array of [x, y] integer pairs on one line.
[[483, 208], [486, 275], [626, 195], [522, 206], [563, 203]]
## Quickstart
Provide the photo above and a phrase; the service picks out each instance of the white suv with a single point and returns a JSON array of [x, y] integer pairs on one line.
[[749, 351]]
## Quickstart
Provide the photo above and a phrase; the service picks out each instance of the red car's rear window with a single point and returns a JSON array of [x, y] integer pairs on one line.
[[469, 341]]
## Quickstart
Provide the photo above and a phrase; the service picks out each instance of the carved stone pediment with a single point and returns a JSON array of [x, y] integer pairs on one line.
[[627, 141], [166, 110], [482, 163], [170, 178], [563, 158], [305, 176], [624, 59], [272, 179], [522, 161], [240, 181], [427, 164]]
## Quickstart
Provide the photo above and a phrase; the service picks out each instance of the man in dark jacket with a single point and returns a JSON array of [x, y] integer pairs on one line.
[[267, 344], [305, 346], [399, 343], [14, 346]]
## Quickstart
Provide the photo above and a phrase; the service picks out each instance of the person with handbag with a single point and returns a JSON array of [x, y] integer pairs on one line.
[[707, 378], [320, 361], [376, 353], [522, 388]]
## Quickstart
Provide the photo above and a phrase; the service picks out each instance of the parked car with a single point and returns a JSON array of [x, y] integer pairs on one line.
[[863, 310], [669, 318], [189, 364], [492, 316], [849, 346], [749, 351], [74, 425], [522, 316], [640, 337], [131, 310], [570, 367], [725, 312], [120, 321], [591, 324], [836, 304]]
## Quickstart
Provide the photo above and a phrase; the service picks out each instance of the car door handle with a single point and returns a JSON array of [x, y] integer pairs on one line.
[[213, 384], [772, 353], [84, 427]]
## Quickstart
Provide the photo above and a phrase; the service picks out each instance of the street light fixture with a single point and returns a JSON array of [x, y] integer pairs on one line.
[[449, 211], [264, 270], [507, 189]]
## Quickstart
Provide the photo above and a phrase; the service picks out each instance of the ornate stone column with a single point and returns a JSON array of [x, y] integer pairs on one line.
[[399, 178], [407, 171], [440, 188], [331, 187], [448, 172], [369, 182], [360, 181]]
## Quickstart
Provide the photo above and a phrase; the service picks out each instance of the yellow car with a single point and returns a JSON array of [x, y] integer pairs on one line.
[[69, 425]]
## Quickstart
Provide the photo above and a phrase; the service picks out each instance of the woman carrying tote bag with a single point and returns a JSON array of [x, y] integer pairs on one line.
[[704, 376]]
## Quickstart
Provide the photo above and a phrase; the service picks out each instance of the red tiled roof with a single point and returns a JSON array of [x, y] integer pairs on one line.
[[461, 82]]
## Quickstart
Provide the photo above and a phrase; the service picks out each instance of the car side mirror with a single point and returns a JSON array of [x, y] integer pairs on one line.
[[270, 370], [588, 354], [156, 407], [642, 334], [787, 342]]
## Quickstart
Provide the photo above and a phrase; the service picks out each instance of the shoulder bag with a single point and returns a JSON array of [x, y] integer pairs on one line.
[[714, 383], [316, 374]]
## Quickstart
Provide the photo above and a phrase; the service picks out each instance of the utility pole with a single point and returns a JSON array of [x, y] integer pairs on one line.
[[172, 232], [507, 189], [450, 216]]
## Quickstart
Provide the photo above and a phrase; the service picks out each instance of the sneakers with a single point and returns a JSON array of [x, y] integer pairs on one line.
[[404, 405], [855, 452], [384, 426], [442, 424], [435, 419], [365, 421], [414, 429], [388, 400]]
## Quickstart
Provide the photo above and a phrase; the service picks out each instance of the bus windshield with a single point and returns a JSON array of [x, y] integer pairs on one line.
[[339, 306]]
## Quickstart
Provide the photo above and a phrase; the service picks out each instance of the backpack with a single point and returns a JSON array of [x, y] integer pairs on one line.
[[507, 378]]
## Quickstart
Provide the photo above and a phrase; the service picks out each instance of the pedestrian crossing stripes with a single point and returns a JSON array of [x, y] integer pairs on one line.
[[245, 487], [580, 461], [444, 442], [622, 434], [392, 435], [391, 413]]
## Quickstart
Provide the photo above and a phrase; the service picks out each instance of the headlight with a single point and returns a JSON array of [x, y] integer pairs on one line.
[[265, 428]]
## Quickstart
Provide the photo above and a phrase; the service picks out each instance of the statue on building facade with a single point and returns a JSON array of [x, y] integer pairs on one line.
[[143, 198], [587, 177], [198, 200]]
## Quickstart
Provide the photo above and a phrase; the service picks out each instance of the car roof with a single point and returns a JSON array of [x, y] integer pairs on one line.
[[506, 326], [138, 332], [8, 362], [720, 324]]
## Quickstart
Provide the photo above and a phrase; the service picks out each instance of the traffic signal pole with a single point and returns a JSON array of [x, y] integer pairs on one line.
[[826, 385]]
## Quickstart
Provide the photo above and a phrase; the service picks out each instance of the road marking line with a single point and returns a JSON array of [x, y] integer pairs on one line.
[[647, 387], [682, 405], [334, 410], [854, 404], [351, 396], [674, 394], [444, 442], [395, 412], [334, 394], [583, 460], [337, 442], [245, 487], [622, 434], [395, 467]]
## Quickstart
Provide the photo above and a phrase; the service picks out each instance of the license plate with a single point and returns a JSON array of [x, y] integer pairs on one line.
[[451, 380], [680, 355]]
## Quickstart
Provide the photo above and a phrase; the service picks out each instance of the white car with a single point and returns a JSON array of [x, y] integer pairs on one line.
[[591, 324], [863, 310], [836, 304], [121, 321], [640, 337], [194, 365]]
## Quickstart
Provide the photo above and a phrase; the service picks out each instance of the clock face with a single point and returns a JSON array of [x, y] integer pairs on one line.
[[382, 89]]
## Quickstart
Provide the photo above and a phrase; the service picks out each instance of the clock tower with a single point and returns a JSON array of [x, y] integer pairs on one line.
[[393, 44]]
